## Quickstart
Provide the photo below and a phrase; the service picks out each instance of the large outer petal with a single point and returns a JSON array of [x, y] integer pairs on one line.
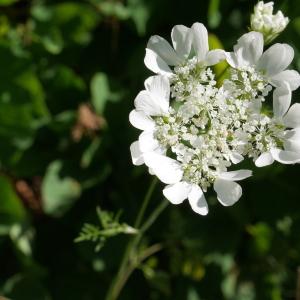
[[159, 87], [285, 157], [292, 140], [247, 51], [147, 142], [252, 44], [197, 200], [276, 59], [136, 154], [292, 77], [182, 40], [140, 120], [228, 192], [200, 40], [166, 169], [178, 192], [265, 159], [292, 118], [235, 175], [150, 105], [156, 64], [282, 97], [164, 50], [214, 56], [236, 158]]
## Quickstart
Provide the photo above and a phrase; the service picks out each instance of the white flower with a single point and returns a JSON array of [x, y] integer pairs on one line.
[[271, 64], [194, 130], [153, 101], [288, 117], [187, 43], [263, 20], [228, 191]]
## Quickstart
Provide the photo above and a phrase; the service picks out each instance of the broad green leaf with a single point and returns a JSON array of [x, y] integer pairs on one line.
[[262, 237], [140, 15], [26, 287], [59, 192], [59, 25], [214, 16], [100, 92], [8, 2], [192, 294], [11, 207]]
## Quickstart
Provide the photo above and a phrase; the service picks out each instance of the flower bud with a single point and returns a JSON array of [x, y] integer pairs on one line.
[[263, 20]]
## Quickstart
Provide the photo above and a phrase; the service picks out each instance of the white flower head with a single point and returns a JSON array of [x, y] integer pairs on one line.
[[187, 43], [263, 20], [195, 130], [270, 66], [284, 130]]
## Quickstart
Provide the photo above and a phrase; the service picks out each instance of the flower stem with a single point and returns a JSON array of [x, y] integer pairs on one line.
[[128, 265], [145, 203]]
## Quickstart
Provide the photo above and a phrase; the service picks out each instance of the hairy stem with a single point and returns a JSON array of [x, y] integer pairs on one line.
[[128, 263]]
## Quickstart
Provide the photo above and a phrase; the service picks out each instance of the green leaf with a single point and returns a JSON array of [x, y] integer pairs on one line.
[[214, 15], [58, 193], [114, 9], [140, 15], [99, 91], [192, 294], [8, 2], [26, 287], [90, 152], [11, 207]]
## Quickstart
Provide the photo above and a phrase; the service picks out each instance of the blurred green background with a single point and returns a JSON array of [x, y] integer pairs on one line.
[[69, 72]]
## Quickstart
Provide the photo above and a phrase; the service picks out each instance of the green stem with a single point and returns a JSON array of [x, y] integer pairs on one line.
[[127, 266], [145, 203]]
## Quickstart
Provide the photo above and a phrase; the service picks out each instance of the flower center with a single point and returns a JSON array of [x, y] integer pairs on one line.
[[248, 83]]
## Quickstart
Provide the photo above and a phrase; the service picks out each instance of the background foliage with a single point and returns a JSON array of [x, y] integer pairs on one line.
[[69, 71]]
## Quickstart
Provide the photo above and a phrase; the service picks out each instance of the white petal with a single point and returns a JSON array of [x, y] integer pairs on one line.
[[285, 157], [182, 40], [282, 97], [292, 118], [236, 157], [159, 87], [178, 192], [156, 64], [276, 59], [151, 106], [150, 171], [140, 120], [235, 175], [232, 60], [200, 40], [164, 50], [265, 159], [136, 154], [147, 142], [228, 192], [292, 145], [293, 134], [249, 48], [214, 56], [197, 200], [292, 140], [166, 169], [292, 77]]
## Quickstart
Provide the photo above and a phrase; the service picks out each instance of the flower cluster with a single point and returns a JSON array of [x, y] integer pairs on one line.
[[195, 128], [263, 20]]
